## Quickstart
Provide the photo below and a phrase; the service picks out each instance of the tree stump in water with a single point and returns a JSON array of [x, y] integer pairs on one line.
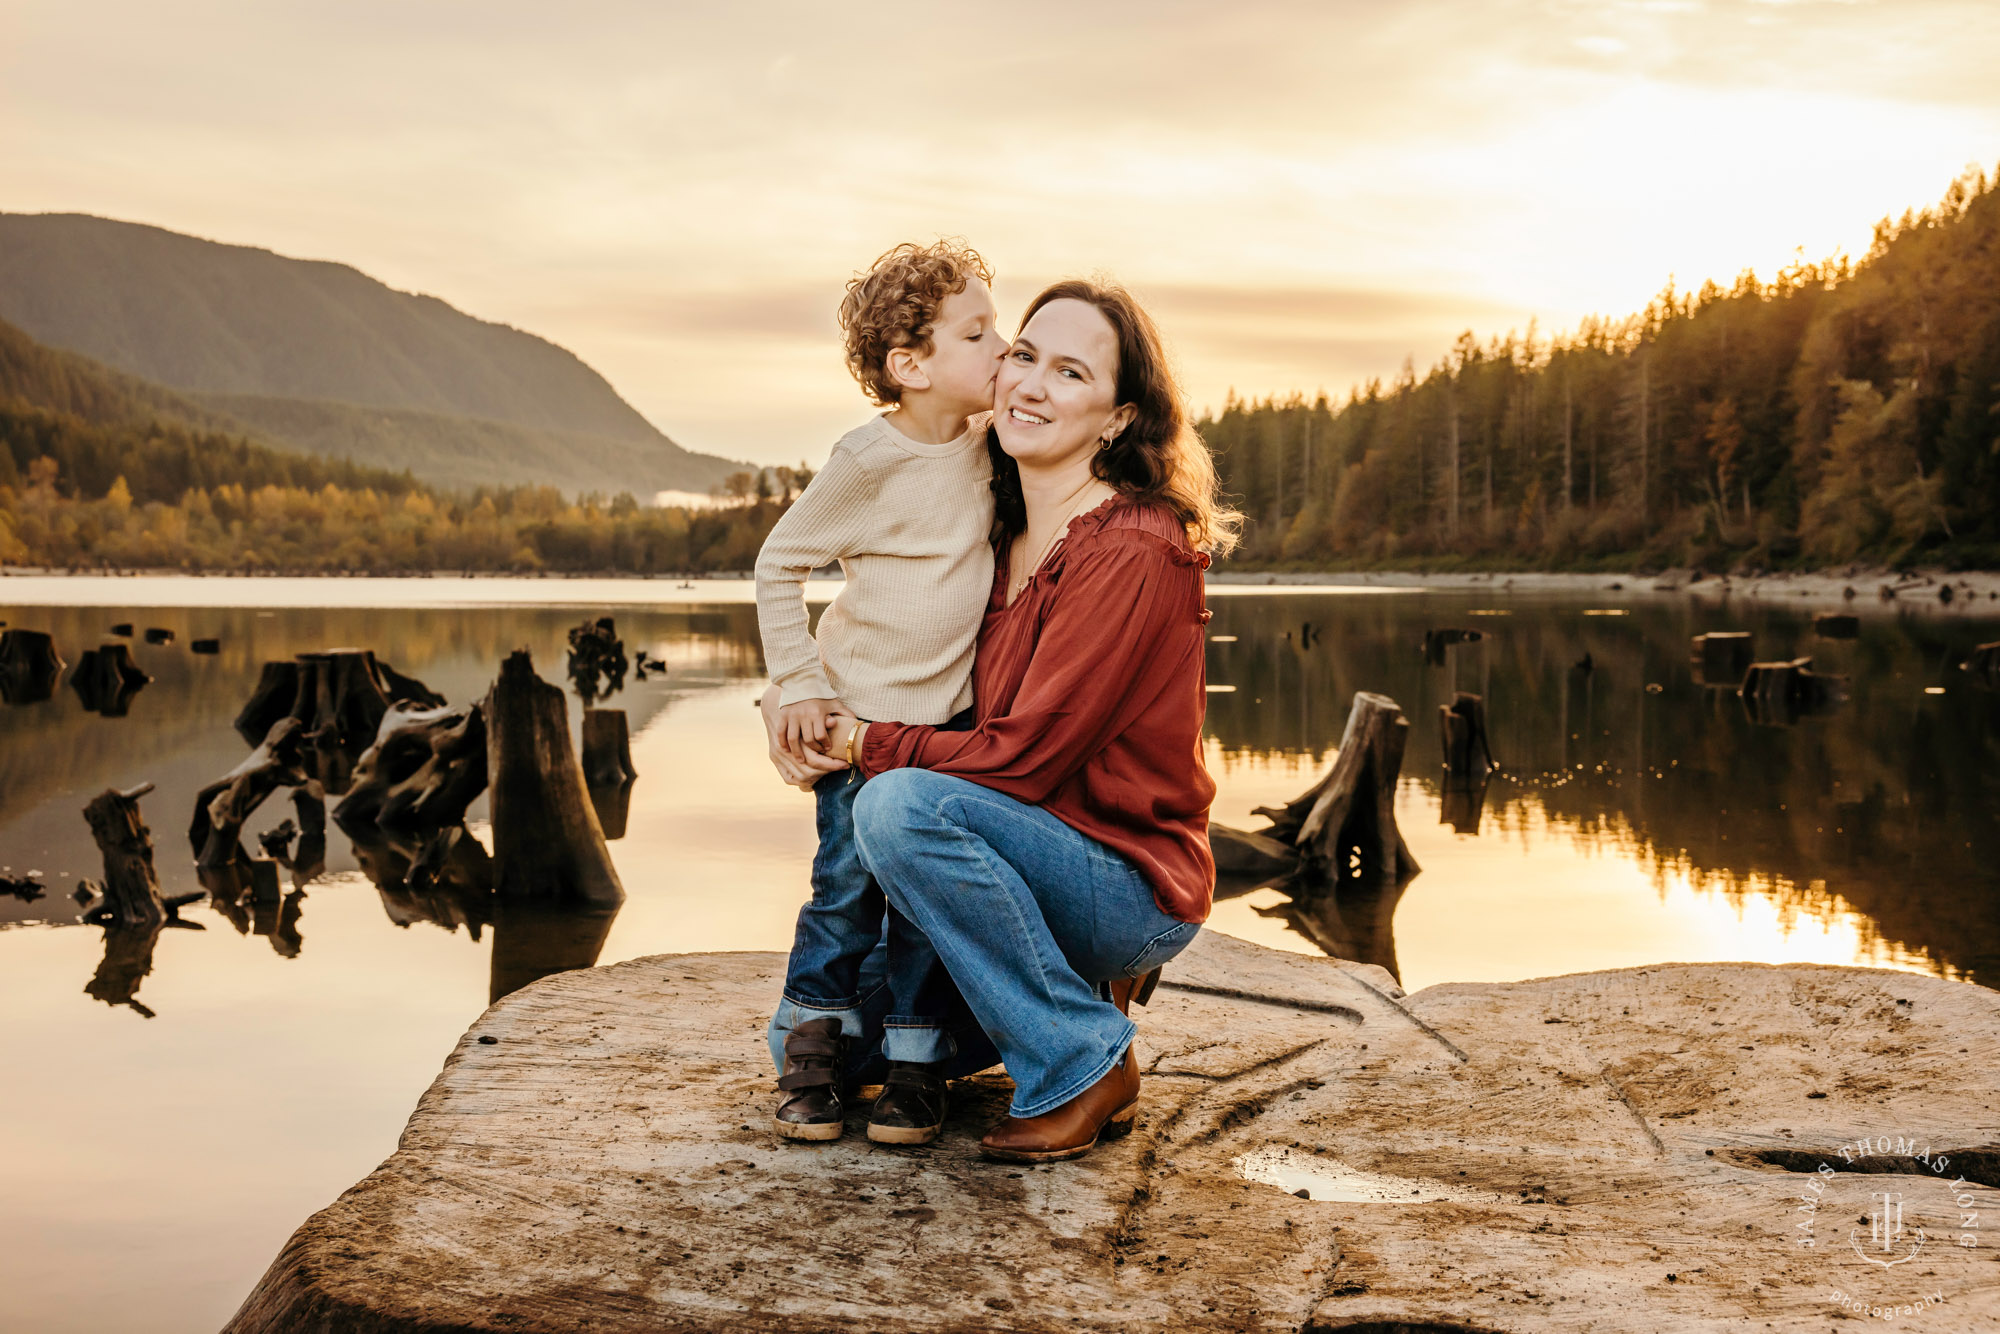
[[221, 808], [29, 666], [1313, 1151], [1837, 625], [131, 889], [127, 960], [607, 748], [597, 660], [426, 767], [277, 690], [346, 689], [1348, 816], [106, 678], [1354, 815], [1468, 756], [159, 635], [1722, 656], [1782, 692], [546, 840]]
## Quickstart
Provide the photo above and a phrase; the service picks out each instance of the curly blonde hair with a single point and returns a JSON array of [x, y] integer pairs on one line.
[[895, 304]]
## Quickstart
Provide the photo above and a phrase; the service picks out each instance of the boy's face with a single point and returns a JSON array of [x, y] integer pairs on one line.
[[966, 348]]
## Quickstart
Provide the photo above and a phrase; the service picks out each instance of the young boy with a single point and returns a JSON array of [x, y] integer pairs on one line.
[[904, 505]]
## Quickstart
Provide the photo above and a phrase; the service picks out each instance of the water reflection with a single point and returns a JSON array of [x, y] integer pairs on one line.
[[1881, 803]]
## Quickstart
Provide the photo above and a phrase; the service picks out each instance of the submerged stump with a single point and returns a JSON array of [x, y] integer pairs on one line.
[[29, 666], [547, 843], [1605, 1151]]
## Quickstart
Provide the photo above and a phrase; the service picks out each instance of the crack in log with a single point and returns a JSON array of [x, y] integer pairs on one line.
[[1658, 1146], [1347, 1012], [1399, 1008]]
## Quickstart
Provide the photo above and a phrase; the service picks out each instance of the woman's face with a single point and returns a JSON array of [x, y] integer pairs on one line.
[[1055, 398]]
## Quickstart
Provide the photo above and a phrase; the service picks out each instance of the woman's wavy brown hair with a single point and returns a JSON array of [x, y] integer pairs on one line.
[[895, 304], [1158, 456]]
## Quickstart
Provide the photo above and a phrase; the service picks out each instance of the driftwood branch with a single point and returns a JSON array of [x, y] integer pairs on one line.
[[221, 808], [426, 767]]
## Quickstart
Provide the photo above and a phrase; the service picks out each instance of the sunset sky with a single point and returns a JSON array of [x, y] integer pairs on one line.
[[1306, 193]]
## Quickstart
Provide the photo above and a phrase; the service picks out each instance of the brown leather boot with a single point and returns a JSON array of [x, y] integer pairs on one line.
[[912, 1104], [810, 1106], [1105, 1110], [1129, 991]]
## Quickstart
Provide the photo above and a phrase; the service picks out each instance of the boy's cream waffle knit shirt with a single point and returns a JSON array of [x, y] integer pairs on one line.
[[909, 525]]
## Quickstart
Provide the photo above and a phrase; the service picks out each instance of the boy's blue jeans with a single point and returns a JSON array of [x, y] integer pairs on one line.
[[1026, 913], [846, 919]]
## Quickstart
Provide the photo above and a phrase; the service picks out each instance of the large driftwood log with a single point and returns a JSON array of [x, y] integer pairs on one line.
[[1243, 855], [426, 767], [546, 839], [1354, 816], [131, 894], [30, 667], [1468, 754], [106, 678], [221, 808], [1611, 1151]]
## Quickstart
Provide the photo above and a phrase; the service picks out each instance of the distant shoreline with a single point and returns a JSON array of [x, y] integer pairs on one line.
[[1918, 590]]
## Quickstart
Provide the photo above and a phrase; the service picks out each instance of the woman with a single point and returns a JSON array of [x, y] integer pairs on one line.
[[1063, 842]]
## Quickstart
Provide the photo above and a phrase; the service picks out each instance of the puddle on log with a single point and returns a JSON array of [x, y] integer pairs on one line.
[[1331, 1179]]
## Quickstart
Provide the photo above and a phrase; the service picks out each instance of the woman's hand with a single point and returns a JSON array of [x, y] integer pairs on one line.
[[807, 769]]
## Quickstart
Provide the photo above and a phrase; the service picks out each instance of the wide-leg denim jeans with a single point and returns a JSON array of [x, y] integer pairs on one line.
[[1028, 916]]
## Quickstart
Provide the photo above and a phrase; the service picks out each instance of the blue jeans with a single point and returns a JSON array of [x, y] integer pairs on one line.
[[846, 919], [1028, 916]]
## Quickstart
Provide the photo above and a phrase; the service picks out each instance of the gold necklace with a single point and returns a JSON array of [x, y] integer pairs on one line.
[[1014, 590]]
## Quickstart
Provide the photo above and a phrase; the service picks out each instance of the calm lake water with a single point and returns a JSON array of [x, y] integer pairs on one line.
[[155, 1152]]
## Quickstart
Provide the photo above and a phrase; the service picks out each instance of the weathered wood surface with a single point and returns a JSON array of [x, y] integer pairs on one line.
[[1582, 1153]]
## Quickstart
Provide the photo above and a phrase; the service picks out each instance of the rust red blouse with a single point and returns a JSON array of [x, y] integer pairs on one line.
[[1089, 692]]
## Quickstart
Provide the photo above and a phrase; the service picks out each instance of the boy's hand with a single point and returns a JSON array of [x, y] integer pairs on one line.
[[807, 768], [802, 726]]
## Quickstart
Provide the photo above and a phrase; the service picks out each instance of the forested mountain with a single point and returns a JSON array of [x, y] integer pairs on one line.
[[99, 469], [322, 357], [88, 426], [1841, 411]]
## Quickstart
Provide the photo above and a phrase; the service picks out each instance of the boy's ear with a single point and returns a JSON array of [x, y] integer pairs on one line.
[[905, 369]]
